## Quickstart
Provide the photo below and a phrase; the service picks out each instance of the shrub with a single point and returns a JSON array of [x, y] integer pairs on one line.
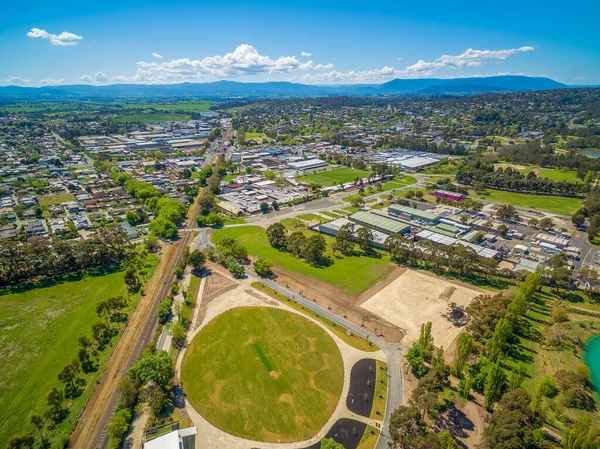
[[560, 315]]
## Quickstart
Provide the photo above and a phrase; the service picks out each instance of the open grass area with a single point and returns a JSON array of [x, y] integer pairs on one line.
[[335, 176], [39, 329], [51, 200], [369, 438], [276, 377], [554, 204], [313, 217], [151, 118], [381, 386], [353, 273], [330, 214], [550, 173], [399, 182], [353, 340]]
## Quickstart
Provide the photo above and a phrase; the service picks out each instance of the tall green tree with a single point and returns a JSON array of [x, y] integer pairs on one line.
[[464, 346]]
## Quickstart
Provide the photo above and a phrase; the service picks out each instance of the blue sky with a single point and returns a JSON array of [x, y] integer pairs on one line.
[[316, 42]]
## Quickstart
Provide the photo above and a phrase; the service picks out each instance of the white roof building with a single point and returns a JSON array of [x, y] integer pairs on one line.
[[178, 439]]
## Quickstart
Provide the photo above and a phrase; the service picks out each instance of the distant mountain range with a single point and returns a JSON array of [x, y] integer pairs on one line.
[[234, 89]]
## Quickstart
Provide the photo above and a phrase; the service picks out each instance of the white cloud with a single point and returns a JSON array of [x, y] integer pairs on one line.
[[579, 78], [63, 39], [245, 60], [470, 58], [305, 53], [353, 77], [15, 81], [157, 56], [97, 78], [52, 82]]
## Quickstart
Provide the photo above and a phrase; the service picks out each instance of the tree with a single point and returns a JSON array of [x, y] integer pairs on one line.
[[26, 441], [533, 223], [215, 219], [119, 424], [447, 440], [37, 421], [132, 217], [56, 407], [275, 205], [314, 249], [578, 220], [157, 368], [495, 384], [262, 266], [513, 424], [560, 277], [426, 401], [507, 212], [196, 259], [546, 223], [364, 238], [70, 376], [128, 393], [485, 312], [415, 358], [177, 333], [517, 376], [344, 238], [503, 230], [131, 279], [151, 243], [164, 310], [277, 236], [236, 269], [582, 435], [425, 337], [265, 208], [464, 346], [330, 443], [406, 424]]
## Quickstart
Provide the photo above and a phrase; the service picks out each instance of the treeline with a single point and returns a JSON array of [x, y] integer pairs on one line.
[[47, 259], [415, 143], [456, 259], [534, 153], [311, 249], [480, 175], [168, 212]]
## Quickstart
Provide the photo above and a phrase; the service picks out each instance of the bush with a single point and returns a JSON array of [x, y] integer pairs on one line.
[[547, 388], [560, 315], [119, 424], [163, 310]]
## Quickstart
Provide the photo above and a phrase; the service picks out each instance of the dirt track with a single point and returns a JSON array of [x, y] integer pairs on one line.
[[90, 431]]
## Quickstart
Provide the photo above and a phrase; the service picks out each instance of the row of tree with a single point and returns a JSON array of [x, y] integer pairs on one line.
[[311, 249]]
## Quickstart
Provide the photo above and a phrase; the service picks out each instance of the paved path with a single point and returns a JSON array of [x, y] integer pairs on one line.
[[393, 352]]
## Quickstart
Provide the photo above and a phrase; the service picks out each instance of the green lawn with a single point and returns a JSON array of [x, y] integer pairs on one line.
[[353, 340], [381, 386], [51, 200], [330, 214], [555, 204], [264, 374], [555, 175], [150, 118], [38, 334], [171, 106], [369, 438], [337, 175], [399, 182], [353, 273], [313, 217]]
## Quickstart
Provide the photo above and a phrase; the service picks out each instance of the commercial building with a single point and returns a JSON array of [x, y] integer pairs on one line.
[[177, 439], [332, 228], [450, 195], [306, 164], [440, 239], [378, 222], [417, 215]]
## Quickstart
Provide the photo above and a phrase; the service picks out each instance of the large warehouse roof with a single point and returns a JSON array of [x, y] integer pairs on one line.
[[399, 209], [381, 222]]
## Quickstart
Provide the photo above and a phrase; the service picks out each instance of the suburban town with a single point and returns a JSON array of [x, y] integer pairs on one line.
[[239, 251]]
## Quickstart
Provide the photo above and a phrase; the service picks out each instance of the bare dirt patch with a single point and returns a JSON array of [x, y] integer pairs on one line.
[[343, 303], [415, 298], [216, 285]]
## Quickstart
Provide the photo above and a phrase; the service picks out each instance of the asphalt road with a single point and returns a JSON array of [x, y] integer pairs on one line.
[[393, 352]]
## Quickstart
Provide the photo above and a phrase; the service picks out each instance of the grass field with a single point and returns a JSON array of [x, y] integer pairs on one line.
[[264, 374], [380, 397], [313, 217], [555, 204], [38, 333], [150, 118], [51, 200], [399, 182], [550, 173], [335, 176], [258, 137], [353, 340], [369, 438], [353, 273]]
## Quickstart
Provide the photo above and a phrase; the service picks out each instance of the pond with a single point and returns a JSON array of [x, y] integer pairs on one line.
[[592, 360]]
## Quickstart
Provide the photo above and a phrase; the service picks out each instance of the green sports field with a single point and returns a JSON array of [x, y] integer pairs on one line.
[[39, 329], [328, 178], [352, 273], [546, 203], [264, 374]]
